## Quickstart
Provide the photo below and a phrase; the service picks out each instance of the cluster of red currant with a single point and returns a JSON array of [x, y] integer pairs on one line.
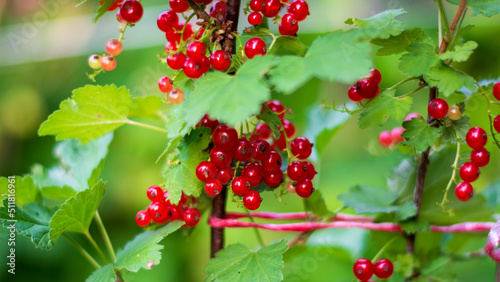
[[496, 94], [364, 269], [259, 161], [161, 210], [298, 11], [366, 87]]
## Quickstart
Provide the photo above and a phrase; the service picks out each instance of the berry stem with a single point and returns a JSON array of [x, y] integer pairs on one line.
[[146, 126], [184, 27], [80, 249], [96, 247], [453, 176], [444, 21], [199, 11], [105, 235], [412, 92], [122, 32], [382, 250], [299, 216], [402, 82], [257, 233], [490, 116]]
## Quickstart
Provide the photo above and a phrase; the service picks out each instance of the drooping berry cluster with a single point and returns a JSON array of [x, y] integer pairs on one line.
[[161, 210], [366, 87], [391, 138], [364, 269], [297, 11], [496, 94]]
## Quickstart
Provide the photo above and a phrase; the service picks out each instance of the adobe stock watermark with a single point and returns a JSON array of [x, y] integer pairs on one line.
[[31, 26], [11, 210]]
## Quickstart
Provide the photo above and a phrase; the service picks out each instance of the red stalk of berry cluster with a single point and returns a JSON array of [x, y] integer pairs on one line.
[[298, 215]]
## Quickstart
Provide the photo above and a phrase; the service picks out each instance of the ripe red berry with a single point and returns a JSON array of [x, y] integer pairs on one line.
[[158, 212], [176, 61], [289, 22], [131, 11], [304, 188], [363, 269], [469, 172], [142, 218], [165, 84], [276, 107], [287, 32], [167, 20], [176, 96], [170, 47], [297, 171], [385, 139], [262, 131], [240, 185], [301, 148], [481, 157], [300, 9], [396, 135], [383, 268], [114, 47], [255, 18], [272, 162], [218, 10], [464, 191], [220, 157], [353, 95], [281, 142], [257, 5], [179, 6], [191, 216], [175, 212], [496, 124], [273, 178], [199, 34], [192, 69], [225, 174], [311, 171], [271, 8], [220, 60], [289, 128], [108, 63], [262, 149], [206, 121], [375, 75], [225, 137], [155, 193], [213, 187], [367, 88], [196, 51], [496, 91], [252, 200], [255, 46], [206, 171], [438, 108], [254, 173], [476, 138]]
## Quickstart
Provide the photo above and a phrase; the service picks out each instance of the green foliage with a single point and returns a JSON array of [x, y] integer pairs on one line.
[[322, 126], [273, 121], [91, 112], [238, 263], [419, 59], [102, 8], [461, 53], [453, 129], [488, 8], [146, 107], [181, 176], [25, 190], [398, 44], [381, 25], [317, 206], [384, 107], [448, 80], [419, 134]]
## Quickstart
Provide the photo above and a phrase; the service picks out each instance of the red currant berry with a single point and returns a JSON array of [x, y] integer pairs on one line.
[[176, 61], [276, 107], [281, 142], [454, 112], [464, 191], [438, 108], [131, 11], [289, 128], [244, 151], [252, 200], [496, 124], [108, 63], [206, 171], [311, 171], [220, 60], [175, 212], [142, 218], [119, 16], [191, 216], [287, 32], [469, 172], [158, 211], [254, 173], [476, 138], [213, 187], [257, 5], [367, 88], [170, 47], [396, 135], [263, 131], [296, 171], [167, 20], [220, 158], [255, 18], [218, 10], [383, 268], [192, 69], [199, 34], [481, 157], [375, 75], [179, 6], [273, 178], [301, 148], [304, 188], [206, 121], [196, 51], [272, 162], [155, 193], [225, 137], [299, 9], [271, 8], [363, 269], [352, 93], [114, 47], [176, 96], [289, 22], [165, 84], [385, 139], [496, 91], [224, 175], [262, 149], [411, 115], [255, 46], [240, 185]]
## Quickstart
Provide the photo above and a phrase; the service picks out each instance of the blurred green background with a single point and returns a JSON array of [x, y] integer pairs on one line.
[[44, 48]]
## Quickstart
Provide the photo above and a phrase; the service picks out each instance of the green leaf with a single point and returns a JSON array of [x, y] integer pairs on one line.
[[290, 43], [146, 107], [238, 263], [103, 274], [419, 134], [181, 177], [76, 213], [316, 205], [413, 226], [398, 44], [384, 106], [448, 80], [31, 221], [452, 127], [420, 58], [405, 264], [382, 25], [22, 190], [273, 121], [103, 8], [92, 112], [58, 193], [488, 8], [492, 194], [230, 98], [402, 179], [461, 53], [338, 56]]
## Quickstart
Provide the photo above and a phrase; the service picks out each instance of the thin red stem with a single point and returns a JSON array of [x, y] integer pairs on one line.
[[298, 215]]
